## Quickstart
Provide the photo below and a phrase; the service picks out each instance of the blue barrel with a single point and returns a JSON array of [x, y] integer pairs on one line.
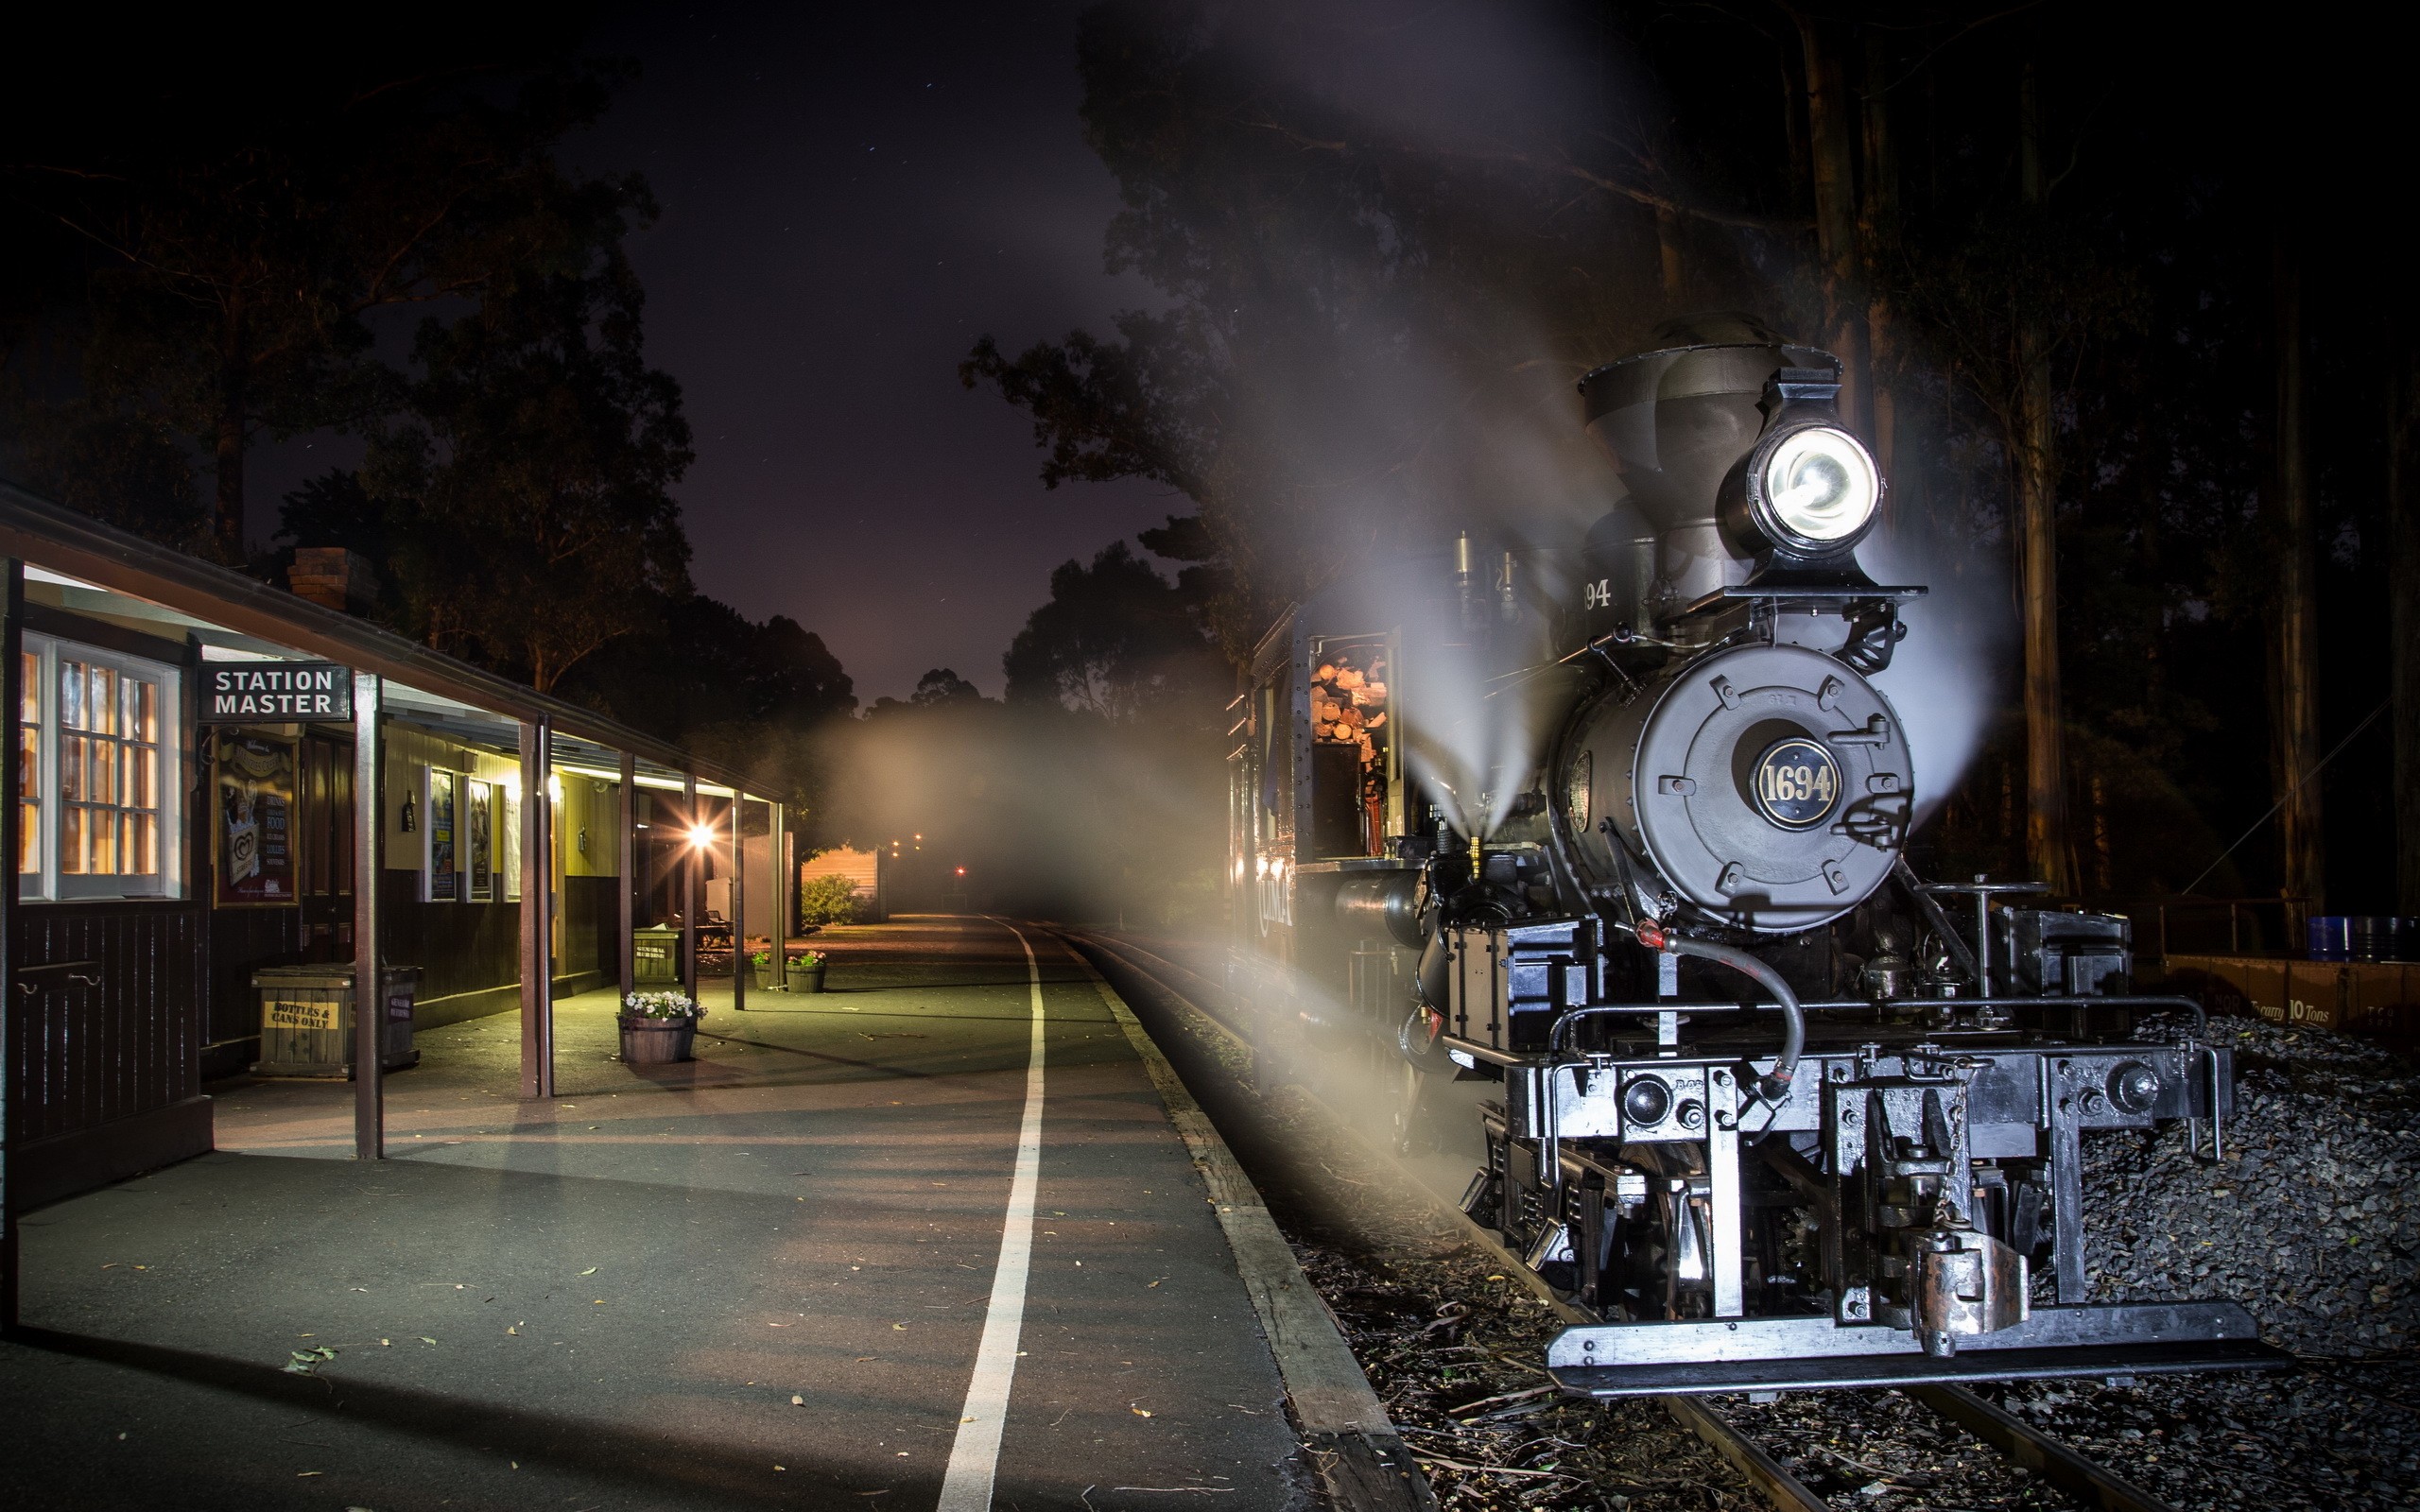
[[2328, 940]]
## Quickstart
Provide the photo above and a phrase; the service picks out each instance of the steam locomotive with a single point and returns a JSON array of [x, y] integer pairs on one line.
[[1630, 845]]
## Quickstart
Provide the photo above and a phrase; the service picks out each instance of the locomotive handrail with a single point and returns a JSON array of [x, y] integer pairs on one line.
[[1556, 1038]]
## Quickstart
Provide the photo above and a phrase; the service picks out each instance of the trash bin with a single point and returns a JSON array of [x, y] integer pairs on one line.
[[306, 1020], [655, 953]]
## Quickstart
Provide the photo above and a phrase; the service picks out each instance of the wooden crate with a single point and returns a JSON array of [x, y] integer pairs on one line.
[[306, 1020]]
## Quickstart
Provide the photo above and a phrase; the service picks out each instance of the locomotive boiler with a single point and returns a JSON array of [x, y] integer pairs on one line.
[[1623, 839]]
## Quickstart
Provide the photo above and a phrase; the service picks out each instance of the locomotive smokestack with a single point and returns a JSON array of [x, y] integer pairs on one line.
[[1674, 420]]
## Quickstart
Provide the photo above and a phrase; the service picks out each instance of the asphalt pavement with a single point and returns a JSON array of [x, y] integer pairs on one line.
[[756, 1278]]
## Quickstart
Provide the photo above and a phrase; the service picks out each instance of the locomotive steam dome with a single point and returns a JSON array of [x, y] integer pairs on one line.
[[1767, 785]]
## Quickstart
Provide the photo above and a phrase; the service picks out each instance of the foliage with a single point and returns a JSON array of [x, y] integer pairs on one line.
[[533, 424], [1115, 639], [827, 900], [217, 277]]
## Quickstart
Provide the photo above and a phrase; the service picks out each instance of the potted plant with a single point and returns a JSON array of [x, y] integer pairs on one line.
[[658, 1028], [806, 973], [763, 961]]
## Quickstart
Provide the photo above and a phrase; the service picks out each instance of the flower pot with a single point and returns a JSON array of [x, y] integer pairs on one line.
[[656, 1042], [807, 978], [765, 982]]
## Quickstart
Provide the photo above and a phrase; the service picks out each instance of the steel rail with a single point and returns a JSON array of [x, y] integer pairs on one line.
[[2036, 1451], [2012, 1436], [1771, 1479]]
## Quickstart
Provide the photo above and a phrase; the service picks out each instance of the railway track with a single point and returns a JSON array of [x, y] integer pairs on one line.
[[2011, 1437]]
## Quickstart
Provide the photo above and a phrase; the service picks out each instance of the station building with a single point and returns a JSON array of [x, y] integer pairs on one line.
[[216, 776]]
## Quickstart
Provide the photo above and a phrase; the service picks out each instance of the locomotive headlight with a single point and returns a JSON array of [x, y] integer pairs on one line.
[[1815, 488]]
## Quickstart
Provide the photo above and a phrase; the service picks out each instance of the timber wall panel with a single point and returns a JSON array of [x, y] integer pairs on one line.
[[87, 1055]]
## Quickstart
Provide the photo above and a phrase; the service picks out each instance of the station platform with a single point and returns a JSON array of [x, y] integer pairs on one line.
[[761, 1277]]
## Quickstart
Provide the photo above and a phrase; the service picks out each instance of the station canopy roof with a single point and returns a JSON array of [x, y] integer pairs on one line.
[[74, 562]]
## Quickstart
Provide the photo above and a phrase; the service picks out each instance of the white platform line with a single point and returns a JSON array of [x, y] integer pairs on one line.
[[975, 1455]]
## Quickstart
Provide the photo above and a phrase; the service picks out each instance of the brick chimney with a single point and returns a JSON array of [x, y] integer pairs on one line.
[[332, 576]]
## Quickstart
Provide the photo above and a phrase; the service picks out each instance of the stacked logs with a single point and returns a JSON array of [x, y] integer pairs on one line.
[[1348, 707]]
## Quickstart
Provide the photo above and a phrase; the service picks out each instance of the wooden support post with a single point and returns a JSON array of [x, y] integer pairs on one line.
[[777, 892], [537, 907], [693, 862], [738, 903], [629, 872], [369, 982], [12, 693]]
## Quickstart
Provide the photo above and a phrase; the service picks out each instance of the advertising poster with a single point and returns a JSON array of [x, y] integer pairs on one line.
[[437, 823], [512, 828], [256, 820], [478, 823]]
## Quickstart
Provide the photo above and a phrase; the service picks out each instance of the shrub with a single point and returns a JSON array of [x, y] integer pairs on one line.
[[827, 900]]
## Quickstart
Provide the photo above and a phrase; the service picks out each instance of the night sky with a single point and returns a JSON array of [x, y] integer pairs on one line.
[[850, 199]]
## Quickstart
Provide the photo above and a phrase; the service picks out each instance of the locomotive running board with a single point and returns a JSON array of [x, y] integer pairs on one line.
[[1799, 1353]]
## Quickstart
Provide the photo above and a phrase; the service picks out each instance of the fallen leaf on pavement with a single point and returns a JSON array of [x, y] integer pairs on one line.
[[1138, 1412], [589, 1271], [797, 1401]]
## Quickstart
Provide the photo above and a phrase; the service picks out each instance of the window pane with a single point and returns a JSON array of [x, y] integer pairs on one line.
[[145, 725], [102, 779], [71, 695], [71, 838], [142, 771], [103, 702], [29, 839], [142, 844], [71, 767], [29, 704], [29, 762]]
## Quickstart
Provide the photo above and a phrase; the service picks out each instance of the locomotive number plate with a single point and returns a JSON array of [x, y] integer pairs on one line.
[[1796, 783]]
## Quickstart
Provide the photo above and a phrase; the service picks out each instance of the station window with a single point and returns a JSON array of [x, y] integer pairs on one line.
[[97, 754]]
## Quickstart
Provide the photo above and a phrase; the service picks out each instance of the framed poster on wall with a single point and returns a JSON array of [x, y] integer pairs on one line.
[[511, 829], [478, 830], [254, 823], [438, 817]]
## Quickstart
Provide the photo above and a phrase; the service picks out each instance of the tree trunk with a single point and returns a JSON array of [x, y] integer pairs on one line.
[[2048, 846], [1794, 122], [1877, 240], [226, 509], [1667, 244], [1831, 130], [2300, 845], [2403, 514]]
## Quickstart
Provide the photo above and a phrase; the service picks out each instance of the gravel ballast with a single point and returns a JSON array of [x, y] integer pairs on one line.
[[2311, 1222]]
